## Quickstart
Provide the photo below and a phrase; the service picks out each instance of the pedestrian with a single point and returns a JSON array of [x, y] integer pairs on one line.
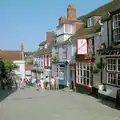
[[47, 81], [56, 82], [24, 83], [42, 84], [37, 84], [52, 83]]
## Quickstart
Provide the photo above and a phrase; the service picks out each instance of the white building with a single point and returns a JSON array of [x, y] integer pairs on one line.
[[18, 58]]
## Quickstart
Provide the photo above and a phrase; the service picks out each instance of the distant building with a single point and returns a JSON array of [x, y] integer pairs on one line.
[[27, 71], [17, 56]]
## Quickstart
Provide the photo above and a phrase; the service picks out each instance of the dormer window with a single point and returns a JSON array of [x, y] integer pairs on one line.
[[90, 22], [116, 27]]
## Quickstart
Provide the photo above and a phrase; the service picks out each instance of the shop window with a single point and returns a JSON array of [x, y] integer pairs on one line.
[[83, 74], [113, 71]]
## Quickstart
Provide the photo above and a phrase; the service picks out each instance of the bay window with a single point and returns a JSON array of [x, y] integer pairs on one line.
[[68, 28], [116, 27], [113, 71]]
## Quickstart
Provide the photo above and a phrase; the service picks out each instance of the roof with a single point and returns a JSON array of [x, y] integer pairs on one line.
[[86, 31], [112, 6], [42, 43], [11, 55], [43, 51], [100, 10]]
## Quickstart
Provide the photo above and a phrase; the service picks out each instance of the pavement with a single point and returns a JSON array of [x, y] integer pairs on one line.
[[30, 104]]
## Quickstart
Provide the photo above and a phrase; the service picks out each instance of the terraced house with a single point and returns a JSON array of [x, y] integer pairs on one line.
[[61, 52], [110, 51], [42, 58]]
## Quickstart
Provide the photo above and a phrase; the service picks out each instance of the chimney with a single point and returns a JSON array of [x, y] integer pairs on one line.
[[49, 36], [22, 50], [71, 12]]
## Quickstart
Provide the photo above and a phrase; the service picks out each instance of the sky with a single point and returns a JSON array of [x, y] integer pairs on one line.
[[27, 21]]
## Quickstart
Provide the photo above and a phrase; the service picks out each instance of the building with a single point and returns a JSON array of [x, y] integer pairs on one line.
[[61, 51], [110, 52], [18, 58], [28, 72], [42, 58]]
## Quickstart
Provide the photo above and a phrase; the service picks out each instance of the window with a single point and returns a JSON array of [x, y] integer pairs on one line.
[[90, 22], [113, 71], [91, 45], [68, 28], [116, 27], [83, 74]]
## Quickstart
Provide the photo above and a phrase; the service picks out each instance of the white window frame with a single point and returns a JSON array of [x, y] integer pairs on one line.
[[82, 78], [116, 27], [69, 28], [90, 21], [113, 71]]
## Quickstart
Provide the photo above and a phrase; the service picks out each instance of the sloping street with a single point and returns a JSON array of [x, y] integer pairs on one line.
[[30, 104]]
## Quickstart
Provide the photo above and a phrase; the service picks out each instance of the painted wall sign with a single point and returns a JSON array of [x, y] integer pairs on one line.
[[81, 47]]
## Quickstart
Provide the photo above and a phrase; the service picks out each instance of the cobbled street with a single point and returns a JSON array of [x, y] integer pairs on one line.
[[30, 104]]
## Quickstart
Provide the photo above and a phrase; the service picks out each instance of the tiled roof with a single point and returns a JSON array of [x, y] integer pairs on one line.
[[11, 55], [43, 51]]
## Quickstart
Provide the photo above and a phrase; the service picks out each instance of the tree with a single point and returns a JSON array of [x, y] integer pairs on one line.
[[6, 68]]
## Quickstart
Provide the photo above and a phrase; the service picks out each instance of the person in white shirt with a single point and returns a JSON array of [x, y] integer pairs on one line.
[[47, 81], [52, 83], [42, 84]]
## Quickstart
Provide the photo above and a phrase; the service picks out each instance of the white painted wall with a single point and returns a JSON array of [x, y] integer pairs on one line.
[[21, 69], [60, 29]]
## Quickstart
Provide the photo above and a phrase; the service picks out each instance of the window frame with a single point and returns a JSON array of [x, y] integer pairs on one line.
[[81, 74], [69, 28], [112, 75], [116, 27], [90, 21]]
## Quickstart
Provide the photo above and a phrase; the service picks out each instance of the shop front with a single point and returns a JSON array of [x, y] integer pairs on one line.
[[84, 67], [111, 74], [73, 75], [60, 69], [84, 77]]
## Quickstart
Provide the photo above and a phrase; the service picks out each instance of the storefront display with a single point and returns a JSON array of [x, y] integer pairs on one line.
[[83, 74]]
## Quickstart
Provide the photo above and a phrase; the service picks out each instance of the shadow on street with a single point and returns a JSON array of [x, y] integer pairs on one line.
[[5, 93]]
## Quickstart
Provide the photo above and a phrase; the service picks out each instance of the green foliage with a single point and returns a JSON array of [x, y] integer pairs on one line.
[[103, 45], [6, 68], [114, 43], [55, 58]]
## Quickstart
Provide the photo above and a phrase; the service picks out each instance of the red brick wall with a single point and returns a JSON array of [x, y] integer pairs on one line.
[[71, 12], [49, 37]]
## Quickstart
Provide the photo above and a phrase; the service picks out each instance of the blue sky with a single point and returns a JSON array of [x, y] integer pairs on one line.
[[28, 21]]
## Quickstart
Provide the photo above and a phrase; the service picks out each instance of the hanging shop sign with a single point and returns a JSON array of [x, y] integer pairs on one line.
[[81, 47]]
